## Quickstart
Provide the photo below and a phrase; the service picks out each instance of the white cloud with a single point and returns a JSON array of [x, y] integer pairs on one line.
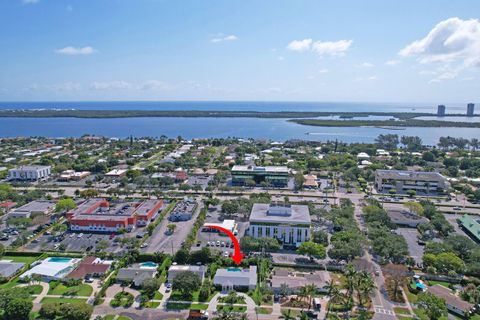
[[30, 1], [321, 71], [154, 85], [112, 85], [367, 65], [230, 37], [452, 41], [392, 62], [331, 48], [73, 51], [322, 48], [372, 78], [300, 45], [67, 86]]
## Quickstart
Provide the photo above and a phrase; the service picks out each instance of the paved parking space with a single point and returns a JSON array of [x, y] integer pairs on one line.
[[219, 238], [452, 218], [410, 235], [160, 241]]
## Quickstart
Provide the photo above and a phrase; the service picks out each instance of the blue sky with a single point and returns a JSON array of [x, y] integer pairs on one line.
[[339, 50]]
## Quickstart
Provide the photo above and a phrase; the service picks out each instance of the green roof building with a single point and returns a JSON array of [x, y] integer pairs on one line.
[[470, 226]]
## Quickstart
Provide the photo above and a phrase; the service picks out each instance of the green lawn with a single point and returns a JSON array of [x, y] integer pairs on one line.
[[34, 289], [151, 304], [124, 318], [263, 310], [24, 259], [400, 311], [177, 296], [232, 308], [109, 317], [158, 296], [63, 300], [185, 306], [442, 283], [83, 290], [421, 314]]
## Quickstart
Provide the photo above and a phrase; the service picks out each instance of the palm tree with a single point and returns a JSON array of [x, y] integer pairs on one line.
[[311, 289], [287, 315], [351, 277], [366, 287], [303, 292]]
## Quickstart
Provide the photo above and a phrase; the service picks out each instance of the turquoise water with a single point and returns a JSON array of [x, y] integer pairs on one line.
[[234, 270], [149, 264], [59, 259]]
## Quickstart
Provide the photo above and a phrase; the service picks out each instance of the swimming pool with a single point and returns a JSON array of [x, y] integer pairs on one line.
[[234, 269], [148, 264], [59, 259]]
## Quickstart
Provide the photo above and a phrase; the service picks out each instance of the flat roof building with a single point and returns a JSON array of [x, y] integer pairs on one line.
[[232, 278], [290, 224], [98, 215], [29, 173], [471, 227], [296, 280], [37, 207], [274, 175], [402, 181], [53, 268]]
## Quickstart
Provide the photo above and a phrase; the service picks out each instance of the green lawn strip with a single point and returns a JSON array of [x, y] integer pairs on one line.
[[63, 300], [24, 259], [400, 311], [263, 310], [124, 318], [184, 306], [442, 283], [152, 304], [83, 290], [228, 308], [422, 316]]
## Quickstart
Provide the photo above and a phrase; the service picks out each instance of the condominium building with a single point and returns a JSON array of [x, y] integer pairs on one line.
[[470, 109], [29, 173], [441, 110], [98, 215], [402, 181], [288, 223], [274, 175]]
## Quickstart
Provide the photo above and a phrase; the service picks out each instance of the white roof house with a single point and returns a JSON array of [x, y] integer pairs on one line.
[[53, 268], [175, 269], [363, 156], [230, 278]]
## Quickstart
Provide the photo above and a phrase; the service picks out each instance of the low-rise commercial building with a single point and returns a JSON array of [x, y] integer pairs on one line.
[[34, 208], [183, 210], [274, 175], [233, 278], [401, 181], [288, 223], [72, 175], [98, 215], [29, 173], [470, 226]]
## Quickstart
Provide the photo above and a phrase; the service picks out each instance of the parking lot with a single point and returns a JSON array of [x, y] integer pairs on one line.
[[218, 241], [410, 235], [161, 241]]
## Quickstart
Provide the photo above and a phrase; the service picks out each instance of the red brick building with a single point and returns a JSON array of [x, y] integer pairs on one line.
[[98, 215]]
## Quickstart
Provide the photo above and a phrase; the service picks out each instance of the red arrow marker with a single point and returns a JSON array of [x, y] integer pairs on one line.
[[238, 255]]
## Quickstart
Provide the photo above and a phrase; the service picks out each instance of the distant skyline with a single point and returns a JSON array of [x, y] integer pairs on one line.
[[271, 50]]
